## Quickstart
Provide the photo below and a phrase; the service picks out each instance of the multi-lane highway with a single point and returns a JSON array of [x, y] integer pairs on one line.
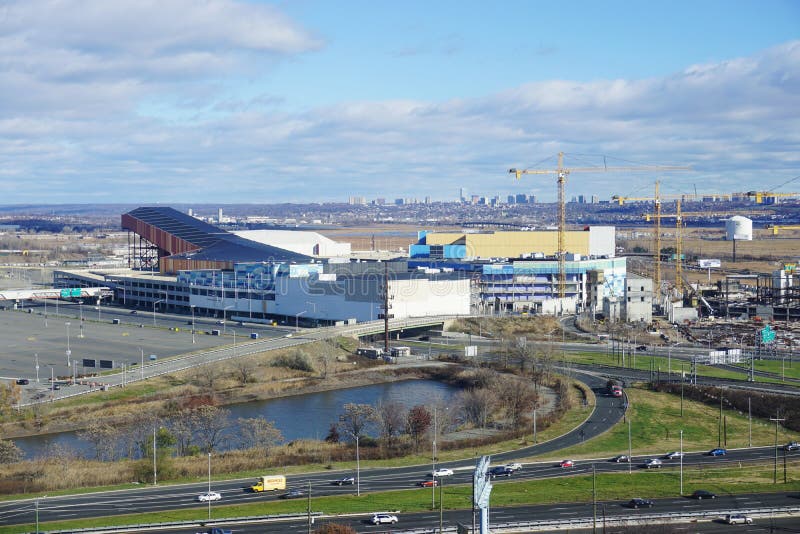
[[607, 412]]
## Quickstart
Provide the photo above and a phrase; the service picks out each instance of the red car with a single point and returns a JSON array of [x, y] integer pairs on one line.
[[428, 483], [567, 463]]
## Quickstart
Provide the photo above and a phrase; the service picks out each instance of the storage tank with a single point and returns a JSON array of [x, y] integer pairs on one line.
[[739, 228]]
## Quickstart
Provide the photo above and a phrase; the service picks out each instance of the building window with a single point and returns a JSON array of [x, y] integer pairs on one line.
[[642, 299], [642, 288]]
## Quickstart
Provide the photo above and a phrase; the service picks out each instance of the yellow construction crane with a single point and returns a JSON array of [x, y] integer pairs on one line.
[[656, 199], [761, 196], [679, 215], [561, 173], [657, 202], [778, 227]]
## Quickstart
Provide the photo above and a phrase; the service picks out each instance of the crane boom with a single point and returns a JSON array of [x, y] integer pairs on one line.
[[562, 173]]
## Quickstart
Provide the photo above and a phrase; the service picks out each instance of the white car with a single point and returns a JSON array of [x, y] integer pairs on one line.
[[738, 519], [652, 462], [443, 472], [514, 466], [210, 496], [380, 519], [673, 455]]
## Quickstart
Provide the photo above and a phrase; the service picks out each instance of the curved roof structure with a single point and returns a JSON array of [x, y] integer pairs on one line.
[[189, 243]]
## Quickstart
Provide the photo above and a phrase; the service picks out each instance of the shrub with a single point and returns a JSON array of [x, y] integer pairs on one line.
[[297, 361]]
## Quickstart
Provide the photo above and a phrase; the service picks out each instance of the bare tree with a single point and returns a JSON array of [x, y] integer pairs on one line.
[[356, 418], [210, 424], [418, 421], [181, 427], [9, 396], [9, 452], [207, 376], [392, 417], [476, 405], [243, 370], [517, 397], [103, 438], [258, 433]]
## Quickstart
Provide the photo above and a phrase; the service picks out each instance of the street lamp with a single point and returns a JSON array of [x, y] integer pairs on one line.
[[234, 343], [209, 485], [154, 310], [69, 352], [297, 320], [226, 308], [193, 306], [80, 308], [681, 461]]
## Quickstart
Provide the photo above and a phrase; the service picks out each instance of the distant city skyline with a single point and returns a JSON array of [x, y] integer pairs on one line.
[[258, 101]]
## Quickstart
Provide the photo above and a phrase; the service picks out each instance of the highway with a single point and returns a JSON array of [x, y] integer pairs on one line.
[[607, 412]]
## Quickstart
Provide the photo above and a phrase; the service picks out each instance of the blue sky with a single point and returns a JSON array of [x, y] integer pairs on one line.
[[232, 101]]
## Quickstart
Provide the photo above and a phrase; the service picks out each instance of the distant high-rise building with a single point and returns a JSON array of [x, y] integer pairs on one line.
[[357, 201], [219, 215], [399, 201], [531, 199], [462, 194], [476, 199], [511, 199], [595, 199], [380, 201], [521, 198], [581, 199], [427, 200], [190, 212]]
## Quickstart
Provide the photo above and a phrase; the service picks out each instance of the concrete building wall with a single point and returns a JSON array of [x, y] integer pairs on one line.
[[638, 299]]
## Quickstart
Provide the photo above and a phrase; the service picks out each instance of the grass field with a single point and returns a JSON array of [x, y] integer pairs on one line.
[[656, 423], [613, 488]]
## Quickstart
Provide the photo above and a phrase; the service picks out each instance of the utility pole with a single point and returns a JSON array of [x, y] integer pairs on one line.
[[309, 507], [594, 500], [441, 506], [749, 424], [775, 469], [719, 423], [681, 461], [630, 449], [155, 472]]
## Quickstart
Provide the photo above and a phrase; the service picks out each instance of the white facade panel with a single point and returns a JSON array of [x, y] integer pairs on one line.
[[602, 241]]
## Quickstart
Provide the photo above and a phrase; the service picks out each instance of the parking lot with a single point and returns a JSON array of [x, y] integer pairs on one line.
[[29, 335]]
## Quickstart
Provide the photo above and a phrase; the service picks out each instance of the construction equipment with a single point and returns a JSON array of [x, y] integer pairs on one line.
[[762, 196], [561, 173], [778, 227]]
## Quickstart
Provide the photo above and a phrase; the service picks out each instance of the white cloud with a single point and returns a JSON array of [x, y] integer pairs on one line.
[[129, 100]]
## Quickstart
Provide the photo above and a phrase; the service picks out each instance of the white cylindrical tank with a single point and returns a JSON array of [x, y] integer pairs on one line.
[[739, 228]]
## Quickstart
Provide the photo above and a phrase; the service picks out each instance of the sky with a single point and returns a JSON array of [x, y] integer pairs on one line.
[[247, 101]]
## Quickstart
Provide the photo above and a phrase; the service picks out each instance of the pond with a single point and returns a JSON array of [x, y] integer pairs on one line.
[[297, 417]]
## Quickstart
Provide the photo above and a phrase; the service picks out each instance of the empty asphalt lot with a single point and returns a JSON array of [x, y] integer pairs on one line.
[[25, 334]]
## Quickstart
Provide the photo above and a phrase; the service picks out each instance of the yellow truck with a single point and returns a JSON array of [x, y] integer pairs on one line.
[[269, 483]]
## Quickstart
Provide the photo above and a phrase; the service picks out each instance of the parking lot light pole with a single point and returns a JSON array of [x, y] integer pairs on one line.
[[69, 352], [630, 450], [297, 320], [209, 486], [80, 307], [154, 310], [193, 307], [225, 309]]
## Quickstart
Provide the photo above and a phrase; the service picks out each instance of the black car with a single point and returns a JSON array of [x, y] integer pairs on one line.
[[703, 494], [641, 348], [293, 494], [500, 471], [23, 381], [346, 481], [640, 503]]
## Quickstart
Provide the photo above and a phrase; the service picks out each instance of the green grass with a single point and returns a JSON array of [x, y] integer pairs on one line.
[[789, 369], [610, 487], [644, 362], [656, 421]]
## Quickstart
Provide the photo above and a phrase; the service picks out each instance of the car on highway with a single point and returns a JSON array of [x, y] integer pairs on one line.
[[428, 483], [567, 463], [442, 472], [622, 458], [641, 348], [738, 519], [703, 494], [382, 519], [346, 481], [208, 496], [640, 503], [514, 466], [23, 381], [674, 455], [293, 494], [652, 463], [792, 446], [717, 452], [500, 471]]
